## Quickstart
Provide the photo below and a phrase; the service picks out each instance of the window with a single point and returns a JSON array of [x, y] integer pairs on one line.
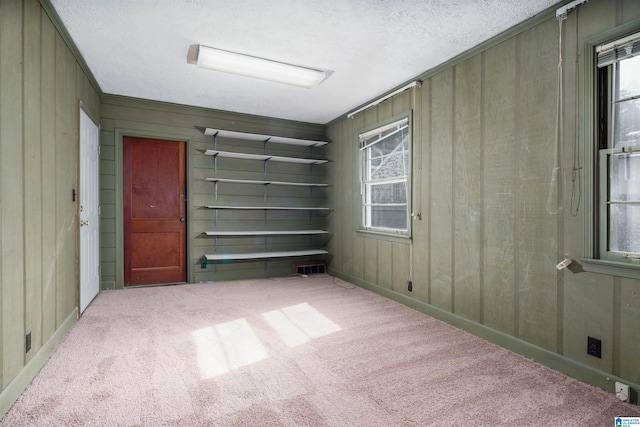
[[618, 145], [385, 177]]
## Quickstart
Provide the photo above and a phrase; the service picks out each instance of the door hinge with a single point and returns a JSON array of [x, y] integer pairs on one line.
[[99, 210]]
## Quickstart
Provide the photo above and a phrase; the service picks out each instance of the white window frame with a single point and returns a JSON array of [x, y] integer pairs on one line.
[[367, 138], [604, 50]]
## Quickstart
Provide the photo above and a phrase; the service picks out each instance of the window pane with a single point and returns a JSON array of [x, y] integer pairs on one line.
[[388, 193], [629, 78], [627, 123], [624, 228], [394, 217], [624, 171], [397, 142], [391, 166]]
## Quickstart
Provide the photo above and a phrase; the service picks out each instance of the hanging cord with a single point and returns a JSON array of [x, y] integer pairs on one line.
[[576, 174], [555, 203]]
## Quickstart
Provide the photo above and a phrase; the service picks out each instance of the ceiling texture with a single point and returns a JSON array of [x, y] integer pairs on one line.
[[141, 48]]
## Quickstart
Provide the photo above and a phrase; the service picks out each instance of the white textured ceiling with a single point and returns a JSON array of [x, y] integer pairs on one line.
[[139, 48]]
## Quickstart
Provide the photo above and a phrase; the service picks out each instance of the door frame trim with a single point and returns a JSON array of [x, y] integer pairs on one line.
[[120, 133]]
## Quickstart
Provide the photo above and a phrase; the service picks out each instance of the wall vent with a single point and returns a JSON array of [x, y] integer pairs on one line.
[[305, 268]]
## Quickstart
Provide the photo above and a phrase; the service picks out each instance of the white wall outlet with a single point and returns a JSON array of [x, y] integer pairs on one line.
[[622, 391]]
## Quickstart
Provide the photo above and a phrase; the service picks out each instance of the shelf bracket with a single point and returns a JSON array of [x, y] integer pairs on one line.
[[264, 145], [215, 190], [265, 166], [265, 191], [215, 217]]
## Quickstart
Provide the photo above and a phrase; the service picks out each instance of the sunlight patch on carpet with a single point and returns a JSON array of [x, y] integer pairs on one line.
[[227, 346], [299, 323]]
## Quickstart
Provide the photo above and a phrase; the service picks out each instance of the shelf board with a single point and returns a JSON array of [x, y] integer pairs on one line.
[[261, 255], [263, 157], [264, 233], [251, 181], [277, 208], [259, 137]]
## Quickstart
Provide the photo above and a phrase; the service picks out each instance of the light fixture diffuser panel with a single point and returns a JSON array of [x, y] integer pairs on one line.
[[251, 66]]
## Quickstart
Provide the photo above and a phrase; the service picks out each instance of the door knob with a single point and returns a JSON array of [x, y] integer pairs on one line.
[[182, 219]]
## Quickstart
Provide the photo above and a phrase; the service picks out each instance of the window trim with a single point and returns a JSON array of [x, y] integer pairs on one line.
[[388, 234], [591, 259]]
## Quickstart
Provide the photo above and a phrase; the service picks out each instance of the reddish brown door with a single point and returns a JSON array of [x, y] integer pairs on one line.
[[154, 211]]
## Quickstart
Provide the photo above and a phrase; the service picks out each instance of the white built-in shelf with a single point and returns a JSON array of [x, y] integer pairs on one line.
[[263, 157], [276, 208], [263, 138], [251, 181], [266, 158], [261, 255], [264, 233]]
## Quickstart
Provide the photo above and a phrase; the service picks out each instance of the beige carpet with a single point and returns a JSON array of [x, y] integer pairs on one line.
[[291, 352]]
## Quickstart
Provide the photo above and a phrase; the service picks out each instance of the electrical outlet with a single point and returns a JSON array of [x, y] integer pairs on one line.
[[410, 286], [622, 391], [28, 343], [594, 347]]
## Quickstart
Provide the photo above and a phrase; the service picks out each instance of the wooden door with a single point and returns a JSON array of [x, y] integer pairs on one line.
[[154, 211]]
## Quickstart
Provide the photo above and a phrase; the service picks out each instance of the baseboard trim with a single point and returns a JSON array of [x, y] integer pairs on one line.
[[558, 362], [19, 384]]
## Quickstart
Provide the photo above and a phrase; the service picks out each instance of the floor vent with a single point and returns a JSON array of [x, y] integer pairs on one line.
[[305, 268]]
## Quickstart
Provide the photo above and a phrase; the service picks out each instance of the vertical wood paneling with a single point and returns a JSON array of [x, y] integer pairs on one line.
[[537, 240], [441, 207], [358, 249], [486, 142], [421, 162], [33, 175], [11, 190], [49, 138], [467, 181], [630, 10], [499, 177], [108, 228], [589, 309], [629, 311], [61, 184], [70, 172], [39, 84], [348, 207], [580, 289]]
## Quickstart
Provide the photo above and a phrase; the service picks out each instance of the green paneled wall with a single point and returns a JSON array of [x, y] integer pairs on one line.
[[124, 116], [485, 248], [41, 84]]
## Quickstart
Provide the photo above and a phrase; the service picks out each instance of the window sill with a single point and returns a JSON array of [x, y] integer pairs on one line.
[[374, 234], [612, 268]]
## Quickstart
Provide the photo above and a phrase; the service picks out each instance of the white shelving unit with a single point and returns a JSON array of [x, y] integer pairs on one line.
[[263, 138], [263, 255], [253, 181], [264, 233], [265, 157]]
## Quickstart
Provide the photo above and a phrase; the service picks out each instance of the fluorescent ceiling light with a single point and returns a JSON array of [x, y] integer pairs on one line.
[[251, 66]]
